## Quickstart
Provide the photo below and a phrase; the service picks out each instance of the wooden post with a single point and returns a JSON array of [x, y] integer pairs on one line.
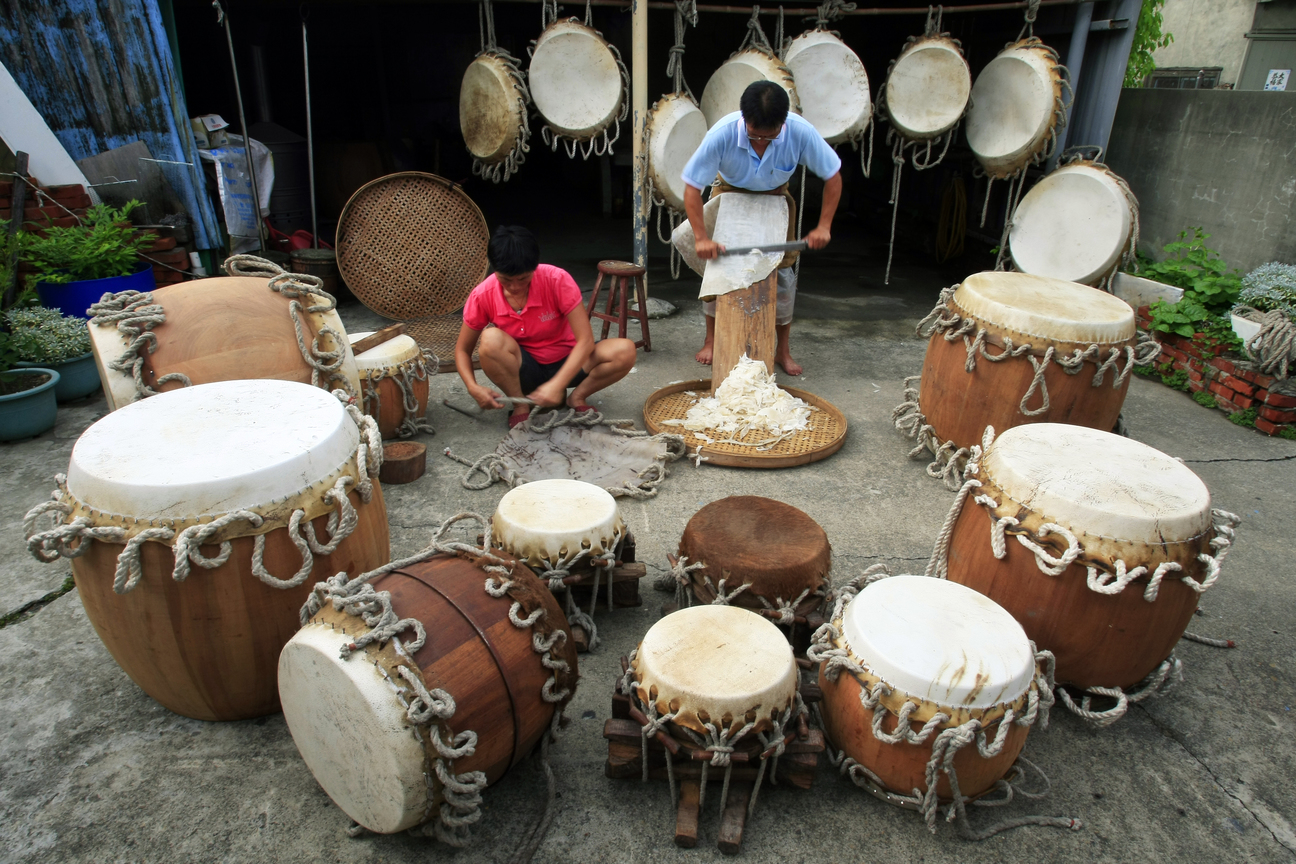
[[18, 201], [744, 324]]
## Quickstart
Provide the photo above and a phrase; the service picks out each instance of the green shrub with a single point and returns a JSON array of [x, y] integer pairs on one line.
[[104, 244], [40, 335], [1287, 432], [1210, 291], [1245, 418], [1147, 38], [1201, 397]]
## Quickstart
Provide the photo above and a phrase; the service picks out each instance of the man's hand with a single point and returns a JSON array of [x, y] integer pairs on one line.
[[818, 238], [707, 249], [549, 394], [485, 397]]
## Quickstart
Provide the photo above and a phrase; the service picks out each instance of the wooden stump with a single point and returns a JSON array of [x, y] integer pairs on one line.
[[744, 324], [403, 462]]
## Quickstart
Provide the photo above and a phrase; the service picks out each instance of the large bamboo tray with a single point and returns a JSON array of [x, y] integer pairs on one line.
[[825, 436]]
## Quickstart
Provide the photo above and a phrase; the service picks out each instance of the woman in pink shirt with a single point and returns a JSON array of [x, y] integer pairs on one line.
[[541, 343]]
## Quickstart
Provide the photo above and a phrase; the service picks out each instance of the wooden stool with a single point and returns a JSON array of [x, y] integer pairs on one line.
[[621, 273]]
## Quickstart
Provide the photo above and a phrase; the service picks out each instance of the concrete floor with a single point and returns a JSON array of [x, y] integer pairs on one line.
[[93, 770]]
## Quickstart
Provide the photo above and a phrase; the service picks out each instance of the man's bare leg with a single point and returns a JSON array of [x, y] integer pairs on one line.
[[704, 356], [782, 352], [611, 361], [501, 360]]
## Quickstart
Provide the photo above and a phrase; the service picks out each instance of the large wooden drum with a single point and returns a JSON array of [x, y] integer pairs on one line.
[[726, 85], [1010, 348], [918, 656], [406, 724], [1113, 543], [927, 89], [220, 329], [395, 384], [265, 486]]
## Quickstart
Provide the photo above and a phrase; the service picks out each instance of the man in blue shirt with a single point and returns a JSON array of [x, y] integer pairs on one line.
[[757, 149]]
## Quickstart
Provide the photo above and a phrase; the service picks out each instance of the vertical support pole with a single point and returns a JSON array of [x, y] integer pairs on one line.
[[639, 113], [18, 202], [247, 139], [1075, 65]]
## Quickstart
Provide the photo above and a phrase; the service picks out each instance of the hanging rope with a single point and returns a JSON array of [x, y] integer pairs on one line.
[[755, 39], [1028, 29]]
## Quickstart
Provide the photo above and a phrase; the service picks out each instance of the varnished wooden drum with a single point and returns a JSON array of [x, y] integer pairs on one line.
[[219, 329], [198, 519], [404, 725], [1099, 545], [394, 376], [1010, 348], [910, 650]]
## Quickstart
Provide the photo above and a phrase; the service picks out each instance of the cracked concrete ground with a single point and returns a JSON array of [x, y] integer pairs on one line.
[[92, 770]]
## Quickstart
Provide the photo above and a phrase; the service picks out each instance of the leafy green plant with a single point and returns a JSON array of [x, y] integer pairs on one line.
[[1287, 432], [1210, 290], [104, 244], [1147, 38], [1270, 287], [1246, 417], [1201, 397], [41, 335]]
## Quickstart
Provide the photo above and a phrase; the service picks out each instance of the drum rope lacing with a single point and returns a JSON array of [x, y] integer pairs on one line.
[[417, 368], [1097, 580], [950, 324], [429, 710], [55, 543], [947, 743], [135, 315], [599, 143], [1274, 347], [781, 612], [509, 165]]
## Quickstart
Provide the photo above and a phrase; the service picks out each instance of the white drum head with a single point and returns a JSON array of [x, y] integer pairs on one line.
[[676, 129], [939, 641], [1099, 483], [351, 731], [722, 92], [718, 659], [928, 88], [1074, 224], [385, 355], [211, 449], [1048, 308], [832, 84], [490, 111], [574, 79], [1012, 111], [553, 520]]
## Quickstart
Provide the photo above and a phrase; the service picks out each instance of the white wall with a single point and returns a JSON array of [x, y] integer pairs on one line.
[[1207, 33]]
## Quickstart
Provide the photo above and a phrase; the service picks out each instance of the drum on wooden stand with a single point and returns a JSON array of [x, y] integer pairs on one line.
[[395, 384], [245, 325], [754, 61], [712, 694], [759, 554], [1011, 348], [410, 689], [1115, 541], [266, 484]]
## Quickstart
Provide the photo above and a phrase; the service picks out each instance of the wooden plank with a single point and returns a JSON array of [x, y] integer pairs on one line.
[[686, 817], [734, 818], [377, 338], [744, 324]]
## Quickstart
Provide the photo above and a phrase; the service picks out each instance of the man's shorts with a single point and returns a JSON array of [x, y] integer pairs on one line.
[[787, 286], [533, 373]]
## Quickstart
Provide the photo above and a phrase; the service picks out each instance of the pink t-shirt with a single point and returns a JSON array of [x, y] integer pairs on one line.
[[541, 327]]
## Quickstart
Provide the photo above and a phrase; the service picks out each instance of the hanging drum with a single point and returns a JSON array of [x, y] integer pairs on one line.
[[493, 115], [927, 88], [832, 85], [1017, 108], [1079, 223], [748, 66], [676, 127], [579, 86]]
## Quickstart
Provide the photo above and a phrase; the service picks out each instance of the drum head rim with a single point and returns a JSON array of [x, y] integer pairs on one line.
[[976, 297], [548, 104], [588, 517], [1009, 162]]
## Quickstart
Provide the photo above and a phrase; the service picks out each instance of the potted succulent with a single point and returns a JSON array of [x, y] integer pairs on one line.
[[47, 339], [78, 264]]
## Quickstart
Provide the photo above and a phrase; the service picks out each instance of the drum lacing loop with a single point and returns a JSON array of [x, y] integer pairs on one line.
[[135, 315], [721, 598], [775, 744], [938, 564], [679, 575], [56, 543], [1159, 681], [871, 699], [1037, 383], [783, 614], [656, 723], [189, 541]]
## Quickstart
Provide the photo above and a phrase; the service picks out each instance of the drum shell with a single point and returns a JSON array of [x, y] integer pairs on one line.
[[1098, 640], [666, 122], [208, 647], [849, 82], [390, 410], [959, 404], [902, 767]]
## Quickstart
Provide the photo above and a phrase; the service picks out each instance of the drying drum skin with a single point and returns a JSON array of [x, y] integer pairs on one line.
[[1074, 224], [726, 86], [676, 127], [1013, 110], [490, 112], [574, 79], [832, 84], [928, 89]]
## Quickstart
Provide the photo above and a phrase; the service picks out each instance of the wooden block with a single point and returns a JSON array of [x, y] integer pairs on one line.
[[626, 593], [620, 707], [628, 549], [403, 462], [734, 818], [580, 639], [686, 817], [377, 338], [744, 324], [622, 729]]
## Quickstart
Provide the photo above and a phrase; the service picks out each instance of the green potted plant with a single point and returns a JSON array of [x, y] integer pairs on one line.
[[27, 402], [1268, 288], [75, 265], [1210, 290], [47, 339]]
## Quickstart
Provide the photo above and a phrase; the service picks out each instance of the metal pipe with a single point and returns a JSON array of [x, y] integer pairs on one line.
[[1075, 65], [310, 141], [247, 139], [639, 100], [792, 12]]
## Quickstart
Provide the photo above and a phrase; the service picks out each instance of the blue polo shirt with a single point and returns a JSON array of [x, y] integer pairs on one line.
[[726, 151]]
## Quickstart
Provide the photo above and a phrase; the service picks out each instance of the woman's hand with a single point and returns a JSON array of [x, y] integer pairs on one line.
[[485, 397], [549, 394]]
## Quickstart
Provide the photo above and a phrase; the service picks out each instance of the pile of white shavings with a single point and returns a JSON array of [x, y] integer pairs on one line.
[[747, 401]]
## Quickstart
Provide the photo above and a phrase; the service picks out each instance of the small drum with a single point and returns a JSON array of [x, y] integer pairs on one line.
[[927, 88], [726, 86], [404, 725], [916, 650], [219, 329], [266, 485], [577, 80], [756, 553], [1091, 513], [1016, 107], [832, 85], [1010, 348], [676, 127], [492, 115], [1078, 223], [395, 390]]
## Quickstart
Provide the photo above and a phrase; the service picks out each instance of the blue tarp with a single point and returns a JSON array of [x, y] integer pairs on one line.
[[101, 74]]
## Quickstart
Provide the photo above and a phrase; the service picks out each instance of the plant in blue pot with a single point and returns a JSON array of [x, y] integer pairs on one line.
[[27, 402], [48, 339], [77, 264]]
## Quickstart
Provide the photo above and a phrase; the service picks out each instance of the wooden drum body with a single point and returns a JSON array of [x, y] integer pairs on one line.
[[352, 702], [219, 329], [916, 647], [726, 85], [676, 127], [1039, 323], [832, 84], [245, 477], [1016, 107], [395, 384], [927, 89], [1110, 516]]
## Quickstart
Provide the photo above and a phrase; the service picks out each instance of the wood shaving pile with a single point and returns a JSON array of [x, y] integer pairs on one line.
[[748, 401]]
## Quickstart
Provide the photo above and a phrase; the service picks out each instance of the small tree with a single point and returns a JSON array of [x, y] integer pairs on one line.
[[1147, 38]]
